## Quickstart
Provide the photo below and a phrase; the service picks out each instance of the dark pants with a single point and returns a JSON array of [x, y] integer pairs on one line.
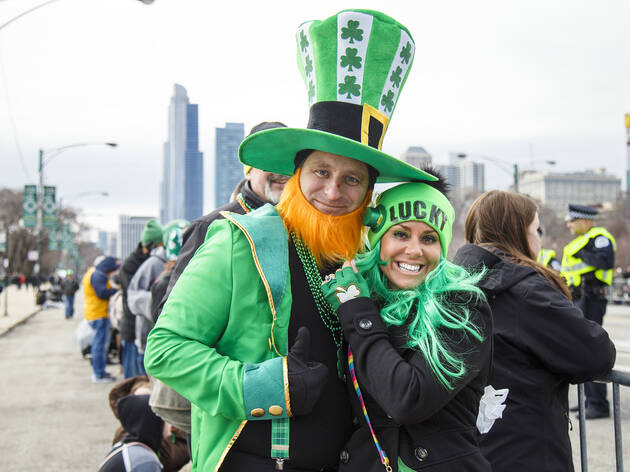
[[595, 392], [129, 359], [69, 302]]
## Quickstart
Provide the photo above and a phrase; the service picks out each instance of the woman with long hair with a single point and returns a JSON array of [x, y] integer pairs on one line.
[[542, 342], [419, 340]]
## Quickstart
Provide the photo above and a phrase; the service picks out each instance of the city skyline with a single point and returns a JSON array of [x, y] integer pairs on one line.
[[228, 171], [181, 188], [481, 84]]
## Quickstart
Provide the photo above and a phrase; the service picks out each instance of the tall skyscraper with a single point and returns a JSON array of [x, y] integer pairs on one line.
[[102, 241], [464, 176], [471, 176], [108, 243], [417, 156], [129, 233], [228, 170], [181, 189]]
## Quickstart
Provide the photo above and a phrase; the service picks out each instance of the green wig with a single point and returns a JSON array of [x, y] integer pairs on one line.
[[439, 303]]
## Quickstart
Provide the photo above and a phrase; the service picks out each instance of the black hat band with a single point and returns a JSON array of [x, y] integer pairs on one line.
[[362, 123]]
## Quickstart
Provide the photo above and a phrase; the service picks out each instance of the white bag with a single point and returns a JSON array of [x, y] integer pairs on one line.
[[83, 335], [491, 407]]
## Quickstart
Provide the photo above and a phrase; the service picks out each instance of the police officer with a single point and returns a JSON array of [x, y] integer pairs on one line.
[[587, 266], [547, 257]]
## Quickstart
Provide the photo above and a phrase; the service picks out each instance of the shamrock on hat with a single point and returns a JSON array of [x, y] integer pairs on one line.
[[354, 65]]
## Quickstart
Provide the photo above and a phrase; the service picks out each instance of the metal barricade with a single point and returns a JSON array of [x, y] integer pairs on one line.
[[619, 292], [617, 377]]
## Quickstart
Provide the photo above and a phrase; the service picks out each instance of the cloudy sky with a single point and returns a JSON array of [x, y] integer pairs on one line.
[[522, 81]]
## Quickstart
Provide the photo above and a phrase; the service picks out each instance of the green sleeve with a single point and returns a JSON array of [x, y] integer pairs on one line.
[[266, 389], [181, 347]]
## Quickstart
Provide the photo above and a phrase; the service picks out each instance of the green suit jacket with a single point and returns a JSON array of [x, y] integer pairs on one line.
[[220, 339]]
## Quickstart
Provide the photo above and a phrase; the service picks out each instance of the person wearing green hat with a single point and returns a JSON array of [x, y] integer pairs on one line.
[[246, 334], [419, 336], [151, 235], [139, 290]]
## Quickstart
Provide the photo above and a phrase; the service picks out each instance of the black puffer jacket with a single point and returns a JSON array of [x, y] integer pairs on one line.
[[127, 270], [542, 343], [195, 236], [417, 420]]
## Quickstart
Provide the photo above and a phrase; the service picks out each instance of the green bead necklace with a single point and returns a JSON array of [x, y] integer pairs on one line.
[[326, 312]]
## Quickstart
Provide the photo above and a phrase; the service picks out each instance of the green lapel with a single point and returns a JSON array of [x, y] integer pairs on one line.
[[268, 238]]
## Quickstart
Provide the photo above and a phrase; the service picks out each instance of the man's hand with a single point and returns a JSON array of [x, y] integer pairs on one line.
[[307, 379]]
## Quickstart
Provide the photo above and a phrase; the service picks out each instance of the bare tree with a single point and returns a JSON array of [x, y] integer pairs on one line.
[[21, 240]]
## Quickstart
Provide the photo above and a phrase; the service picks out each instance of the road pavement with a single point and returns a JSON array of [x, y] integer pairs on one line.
[[55, 418]]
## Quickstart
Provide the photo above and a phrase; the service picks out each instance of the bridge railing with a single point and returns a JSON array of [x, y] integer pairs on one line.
[[617, 378], [619, 292]]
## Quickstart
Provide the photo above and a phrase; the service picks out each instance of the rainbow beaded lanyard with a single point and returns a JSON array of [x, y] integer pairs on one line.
[[355, 384]]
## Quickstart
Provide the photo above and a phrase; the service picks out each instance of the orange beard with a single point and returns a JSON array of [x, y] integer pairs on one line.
[[331, 238]]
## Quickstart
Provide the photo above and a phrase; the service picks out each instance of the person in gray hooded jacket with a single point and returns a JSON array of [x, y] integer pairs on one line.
[[139, 297]]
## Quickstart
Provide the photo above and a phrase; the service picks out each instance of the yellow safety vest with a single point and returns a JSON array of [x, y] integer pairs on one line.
[[545, 256], [573, 267]]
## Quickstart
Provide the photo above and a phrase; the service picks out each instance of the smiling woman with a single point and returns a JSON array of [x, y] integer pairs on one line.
[[411, 250], [420, 345]]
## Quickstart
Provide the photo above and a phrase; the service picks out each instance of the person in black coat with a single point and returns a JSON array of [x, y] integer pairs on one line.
[[151, 235], [542, 342], [69, 286], [254, 191], [145, 431], [419, 350]]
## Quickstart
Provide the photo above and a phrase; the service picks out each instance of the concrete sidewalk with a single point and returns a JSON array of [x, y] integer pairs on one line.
[[53, 416], [16, 306]]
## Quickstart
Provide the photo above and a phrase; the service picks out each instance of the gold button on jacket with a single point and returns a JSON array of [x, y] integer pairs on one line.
[[257, 412]]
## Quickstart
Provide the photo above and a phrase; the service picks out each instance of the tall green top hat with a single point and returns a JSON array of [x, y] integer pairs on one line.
[[354, 65]]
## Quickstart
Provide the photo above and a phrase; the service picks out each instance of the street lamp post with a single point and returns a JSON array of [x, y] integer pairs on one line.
[[65, 256], [7, 23], [40, 189], [503, 165]]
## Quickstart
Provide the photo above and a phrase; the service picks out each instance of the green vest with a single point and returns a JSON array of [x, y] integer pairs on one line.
[[545, 256], [573, 267]]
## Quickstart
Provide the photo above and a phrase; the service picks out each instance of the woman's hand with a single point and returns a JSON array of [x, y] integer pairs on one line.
[[345, 284]]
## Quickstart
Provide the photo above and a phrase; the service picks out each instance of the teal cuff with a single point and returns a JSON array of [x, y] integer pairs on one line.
[[266, 390]]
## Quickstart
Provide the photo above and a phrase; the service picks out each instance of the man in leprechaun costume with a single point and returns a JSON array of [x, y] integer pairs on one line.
[[246, 334]]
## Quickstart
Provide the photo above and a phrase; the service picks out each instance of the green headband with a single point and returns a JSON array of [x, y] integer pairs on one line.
[[172, 237], [411, 202]]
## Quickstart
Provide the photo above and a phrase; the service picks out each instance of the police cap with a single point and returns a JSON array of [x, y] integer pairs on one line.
[[580, 212]]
